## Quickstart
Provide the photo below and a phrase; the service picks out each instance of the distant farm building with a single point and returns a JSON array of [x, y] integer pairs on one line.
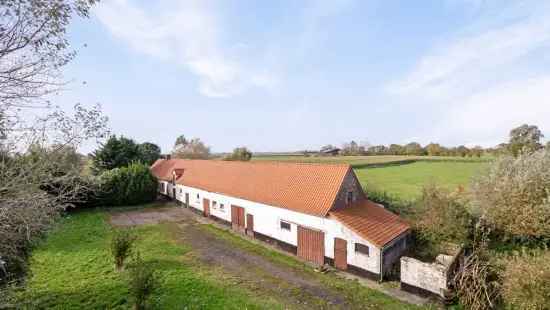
[[330, 151], [318, 212]]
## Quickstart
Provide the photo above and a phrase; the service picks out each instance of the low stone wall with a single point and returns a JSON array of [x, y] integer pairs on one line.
[[430, 277]]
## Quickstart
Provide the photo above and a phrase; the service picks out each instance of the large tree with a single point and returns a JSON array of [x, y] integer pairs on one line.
[[115, 153], [414, 148], [194, 149], [33, 50], [148, 152], [181, 140], [525, 138]]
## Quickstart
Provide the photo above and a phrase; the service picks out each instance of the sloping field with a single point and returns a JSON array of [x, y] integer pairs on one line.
[[364, 161], [406, 181], [402, 176]]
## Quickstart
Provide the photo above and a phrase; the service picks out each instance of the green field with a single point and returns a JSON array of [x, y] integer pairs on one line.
[[73, 269], [401, 176], [406, 181]]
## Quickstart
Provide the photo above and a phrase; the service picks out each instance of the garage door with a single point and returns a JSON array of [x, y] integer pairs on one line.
[[311, 245]]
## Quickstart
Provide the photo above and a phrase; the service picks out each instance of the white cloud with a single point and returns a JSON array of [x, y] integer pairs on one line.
[[481, 84], [189, 35], [456, 62]]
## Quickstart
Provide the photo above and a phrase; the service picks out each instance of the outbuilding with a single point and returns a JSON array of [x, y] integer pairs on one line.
[[318, 212]]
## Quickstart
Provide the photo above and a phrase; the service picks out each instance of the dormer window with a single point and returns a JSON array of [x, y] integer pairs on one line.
[[349, 197]]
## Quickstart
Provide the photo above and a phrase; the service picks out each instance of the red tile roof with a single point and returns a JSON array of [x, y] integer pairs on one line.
[[371, 221], [302, 187]]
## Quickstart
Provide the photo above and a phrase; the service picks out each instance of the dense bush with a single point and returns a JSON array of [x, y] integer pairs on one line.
[[526, 281], [128, 185], [121, 246], [119, 152], [440, 217], [513, 195], [390, 202]]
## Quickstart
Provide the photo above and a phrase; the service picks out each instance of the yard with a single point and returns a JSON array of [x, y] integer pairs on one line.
[[402, 176], [198, 265]]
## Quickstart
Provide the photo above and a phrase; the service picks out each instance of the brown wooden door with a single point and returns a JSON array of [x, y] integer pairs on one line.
[[237, 218], [311, 245], [250, 225], [206, 207], [187, 200], [340, 253]]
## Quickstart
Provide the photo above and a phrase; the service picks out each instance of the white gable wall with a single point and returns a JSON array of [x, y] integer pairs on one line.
[[267, 222]]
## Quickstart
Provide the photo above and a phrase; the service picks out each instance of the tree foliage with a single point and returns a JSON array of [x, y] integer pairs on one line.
[[148, 152], [440, 217], [240, 154], [36, 152], [352, 149], [129, 185], [121, 151], [194, 149], [514, 195], [525, 138], [181, 140], [116, 152]]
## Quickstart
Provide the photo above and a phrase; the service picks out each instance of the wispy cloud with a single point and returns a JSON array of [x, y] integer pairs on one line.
[[486, 79], [187, 34]]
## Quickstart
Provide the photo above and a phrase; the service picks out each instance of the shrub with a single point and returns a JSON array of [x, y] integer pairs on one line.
[[440, 217], [526, 281], [513, 195], [121, 246], [142, 282], [128, 185], [390, 202]]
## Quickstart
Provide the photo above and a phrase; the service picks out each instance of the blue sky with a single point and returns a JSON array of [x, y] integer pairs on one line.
[[291, 75]]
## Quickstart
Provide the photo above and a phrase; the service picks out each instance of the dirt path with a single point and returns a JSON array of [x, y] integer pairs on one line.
[[295, 288]]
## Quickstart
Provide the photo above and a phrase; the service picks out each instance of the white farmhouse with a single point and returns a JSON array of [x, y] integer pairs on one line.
[[318, 212]]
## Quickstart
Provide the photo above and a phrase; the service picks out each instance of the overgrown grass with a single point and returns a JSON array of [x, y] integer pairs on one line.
[[72, 269]]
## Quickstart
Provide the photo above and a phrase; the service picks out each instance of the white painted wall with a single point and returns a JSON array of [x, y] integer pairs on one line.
[[267, 222]]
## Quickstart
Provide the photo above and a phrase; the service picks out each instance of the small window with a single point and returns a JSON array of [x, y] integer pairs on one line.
[[197, 196], [361, 249], [349, 198], [214, 204], [221, 206], [285, 225]]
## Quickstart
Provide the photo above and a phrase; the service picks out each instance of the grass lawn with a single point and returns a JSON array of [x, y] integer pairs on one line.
[[73, 269], [406, 181]]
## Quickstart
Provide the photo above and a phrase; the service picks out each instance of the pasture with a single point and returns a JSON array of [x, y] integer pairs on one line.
[[401, 176]]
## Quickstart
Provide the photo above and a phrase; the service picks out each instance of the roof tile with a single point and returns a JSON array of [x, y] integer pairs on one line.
[[372, 222]]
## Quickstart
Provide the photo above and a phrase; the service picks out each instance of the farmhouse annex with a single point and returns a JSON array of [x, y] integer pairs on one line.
[[318, 212]]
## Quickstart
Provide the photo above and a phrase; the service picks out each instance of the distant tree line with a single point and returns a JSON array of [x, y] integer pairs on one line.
[[525, 138]]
